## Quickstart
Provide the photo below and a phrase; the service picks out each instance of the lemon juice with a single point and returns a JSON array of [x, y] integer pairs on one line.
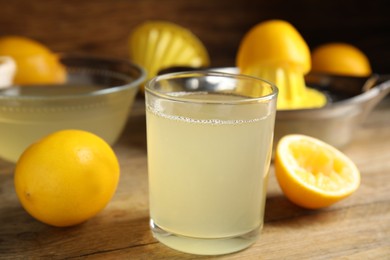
[[29, 113], [208, 167]]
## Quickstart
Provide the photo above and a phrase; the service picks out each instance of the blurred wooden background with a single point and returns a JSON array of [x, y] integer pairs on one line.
[[102, 26]]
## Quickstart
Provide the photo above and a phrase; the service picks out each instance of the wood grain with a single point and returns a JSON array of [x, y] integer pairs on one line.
[[103, 26], [355, 228]]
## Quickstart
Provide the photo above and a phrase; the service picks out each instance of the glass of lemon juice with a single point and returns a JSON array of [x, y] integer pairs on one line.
[[209, 138]]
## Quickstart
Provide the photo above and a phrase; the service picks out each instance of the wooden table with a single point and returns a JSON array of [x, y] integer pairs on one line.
[[355, 228]]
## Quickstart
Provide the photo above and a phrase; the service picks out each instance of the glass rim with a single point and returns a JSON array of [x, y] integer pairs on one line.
[[199, 73], [132, 81]]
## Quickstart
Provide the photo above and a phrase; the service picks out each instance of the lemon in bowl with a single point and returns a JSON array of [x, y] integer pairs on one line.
[[325, 93], [96, 96]]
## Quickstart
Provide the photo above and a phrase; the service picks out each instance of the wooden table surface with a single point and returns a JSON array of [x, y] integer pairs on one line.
[[355, 228]]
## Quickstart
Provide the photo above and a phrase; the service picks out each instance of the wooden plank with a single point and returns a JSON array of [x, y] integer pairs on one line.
[[102, 27], [357, 227]]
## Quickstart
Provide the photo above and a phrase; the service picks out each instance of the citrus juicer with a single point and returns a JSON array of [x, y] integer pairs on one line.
[[156, 45], [274, 50]]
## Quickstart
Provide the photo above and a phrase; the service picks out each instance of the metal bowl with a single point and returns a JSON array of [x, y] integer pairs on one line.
[[97, 97], [351, 99]]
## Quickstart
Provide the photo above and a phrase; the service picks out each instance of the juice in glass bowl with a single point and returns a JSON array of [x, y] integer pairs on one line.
[[97, 97]]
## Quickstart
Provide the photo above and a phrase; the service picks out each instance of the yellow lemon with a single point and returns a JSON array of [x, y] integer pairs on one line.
[[313, 174], [157, 45], [67, 177], [274, 43], [340, 59], [35, 63], [274, 50]]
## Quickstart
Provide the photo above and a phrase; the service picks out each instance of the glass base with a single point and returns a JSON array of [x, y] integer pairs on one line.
[[206, 246]]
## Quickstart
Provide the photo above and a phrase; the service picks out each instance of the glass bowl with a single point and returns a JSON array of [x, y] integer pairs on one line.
[[97, 96]]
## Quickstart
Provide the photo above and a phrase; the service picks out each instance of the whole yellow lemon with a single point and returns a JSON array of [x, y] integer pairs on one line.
[[340, 59], [35, 63], [67, 177]]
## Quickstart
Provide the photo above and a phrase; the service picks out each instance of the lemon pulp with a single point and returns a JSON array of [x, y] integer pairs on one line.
[[312, 173], [319, 167]]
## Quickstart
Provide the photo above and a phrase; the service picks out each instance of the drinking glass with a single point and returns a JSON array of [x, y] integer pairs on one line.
[[209, 141]]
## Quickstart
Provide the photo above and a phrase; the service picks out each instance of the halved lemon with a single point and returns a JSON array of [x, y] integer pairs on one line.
[[312, 173], [157, 45]]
